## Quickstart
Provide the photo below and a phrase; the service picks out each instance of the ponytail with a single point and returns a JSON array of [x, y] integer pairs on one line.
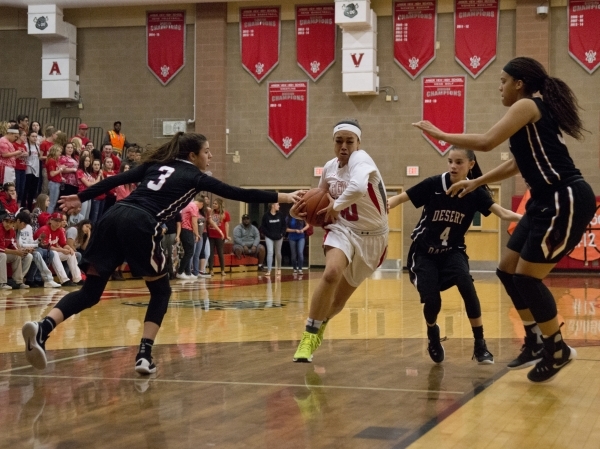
[[179, 147]]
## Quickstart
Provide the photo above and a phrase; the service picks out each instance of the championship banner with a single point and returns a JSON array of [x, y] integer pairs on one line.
[[288, 115], [584, 33], [315, 38], [444, 106], [415, 25], [165, 44], [475, 34], [260, 30]]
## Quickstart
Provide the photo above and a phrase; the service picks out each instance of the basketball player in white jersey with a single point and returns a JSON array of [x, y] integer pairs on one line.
[[356, 240]]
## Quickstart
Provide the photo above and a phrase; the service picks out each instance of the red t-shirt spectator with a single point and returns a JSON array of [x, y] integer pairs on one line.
[[52, 165], [7, 239], [83, 174], [11, 206], [45, 147], [51, 238], [20, 163], [216, 218], [189, 213]]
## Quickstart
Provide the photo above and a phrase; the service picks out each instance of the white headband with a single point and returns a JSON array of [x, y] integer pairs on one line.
[[12, 131], [347, 127]]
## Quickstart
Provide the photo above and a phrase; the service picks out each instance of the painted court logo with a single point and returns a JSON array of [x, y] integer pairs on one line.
[[41, 23]]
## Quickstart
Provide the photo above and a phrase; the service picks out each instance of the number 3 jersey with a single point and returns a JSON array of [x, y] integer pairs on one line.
[[359, 193], [445, 219], [165, 189]]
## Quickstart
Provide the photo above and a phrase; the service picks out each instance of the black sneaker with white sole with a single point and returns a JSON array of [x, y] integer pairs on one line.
[[481, 353], [143, 365], [435, 348], [556, 355], [35, 347], [531, 353]]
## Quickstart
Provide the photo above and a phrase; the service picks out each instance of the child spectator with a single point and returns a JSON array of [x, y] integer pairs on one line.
[[40, 215], [19, 259]]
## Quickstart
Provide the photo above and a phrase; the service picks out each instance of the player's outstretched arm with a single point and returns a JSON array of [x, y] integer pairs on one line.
[[292, 197], [501, 172], [397, 200], [504, 214]]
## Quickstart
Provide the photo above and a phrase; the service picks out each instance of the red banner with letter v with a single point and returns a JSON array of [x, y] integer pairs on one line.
[[288, 114], [260, 30], [414, 35], [475, 34], [165, 44], [315, 38], [444, 106], [584, 33]]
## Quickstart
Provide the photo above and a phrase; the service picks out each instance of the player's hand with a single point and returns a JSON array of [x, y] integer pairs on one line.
[[461, 188], [70, 204], [429, 128], [297, 211], [331, 216], [293, 197]]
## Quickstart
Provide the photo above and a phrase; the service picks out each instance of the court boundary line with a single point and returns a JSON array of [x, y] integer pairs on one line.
[[18, 368]]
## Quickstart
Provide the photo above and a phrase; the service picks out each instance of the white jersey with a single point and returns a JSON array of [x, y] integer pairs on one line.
[[359, 193]]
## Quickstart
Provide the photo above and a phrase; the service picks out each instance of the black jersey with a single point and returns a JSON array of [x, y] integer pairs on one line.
[[165, 189], [541, 154], [445, 220]]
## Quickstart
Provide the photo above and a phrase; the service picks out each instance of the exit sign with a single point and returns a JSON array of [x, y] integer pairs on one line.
[[317, 171], [412, 170]]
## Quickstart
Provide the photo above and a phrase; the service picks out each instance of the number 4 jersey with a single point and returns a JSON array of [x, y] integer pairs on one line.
[[359, 193], [445, 220], [165, 189]]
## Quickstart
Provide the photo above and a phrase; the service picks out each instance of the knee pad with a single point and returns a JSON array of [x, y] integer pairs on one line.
[[160, 292], [432, 304], [469, 295], [511, 289], [539, 299]]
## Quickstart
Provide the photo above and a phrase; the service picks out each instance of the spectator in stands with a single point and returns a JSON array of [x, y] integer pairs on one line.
[[26, 242], [97, 206], [77, 147], [52, 236], [85, 180], [116, 139], [40, 214], [32, 172], [190, 234], [273, 227], [55, 178], [19, 259], [8, 154], [8, 198], [171, 230], [296, 229], [246, 241], [94, 152], [107, 171], [23, 122], [124, 190], [199, 258], [82, 131], [20, 163], [50, 135], [218, 233], [61, 139], [37, 129], [69, 167], [107, 151], [133, 156]]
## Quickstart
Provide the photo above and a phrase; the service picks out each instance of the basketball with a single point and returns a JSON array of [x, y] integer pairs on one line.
[[315, 200]]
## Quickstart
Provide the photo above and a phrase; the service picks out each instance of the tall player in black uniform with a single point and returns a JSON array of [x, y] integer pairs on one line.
[[561, 206], [168, 180], [437, 259]]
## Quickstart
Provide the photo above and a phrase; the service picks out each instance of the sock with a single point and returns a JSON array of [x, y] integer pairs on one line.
[[146, 348], [478, 332], [531, 328], [313, 326], [47, 325]]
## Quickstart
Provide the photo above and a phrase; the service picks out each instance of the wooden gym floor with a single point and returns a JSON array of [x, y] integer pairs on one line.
[[226, 380]]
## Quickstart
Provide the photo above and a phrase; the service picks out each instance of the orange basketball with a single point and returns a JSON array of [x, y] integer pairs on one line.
[[315, 200]]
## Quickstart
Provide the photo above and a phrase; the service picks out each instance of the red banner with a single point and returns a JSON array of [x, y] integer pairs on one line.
[[315, 38], [260, 30], [288, 115], [584, 33], [414, 35], [475, 34], [444, 106], [165, 44]]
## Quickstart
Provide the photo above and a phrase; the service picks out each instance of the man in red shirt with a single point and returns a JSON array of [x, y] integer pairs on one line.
[[82, 134], [10, 253], [107, 151], [53, 237]]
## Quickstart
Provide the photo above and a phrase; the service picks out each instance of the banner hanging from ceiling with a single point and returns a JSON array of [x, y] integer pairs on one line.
[[165, 44], [315, 38], [260, 31], [584, 33], [288, 114], [415, 25], [475, 34], [444, 106]]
